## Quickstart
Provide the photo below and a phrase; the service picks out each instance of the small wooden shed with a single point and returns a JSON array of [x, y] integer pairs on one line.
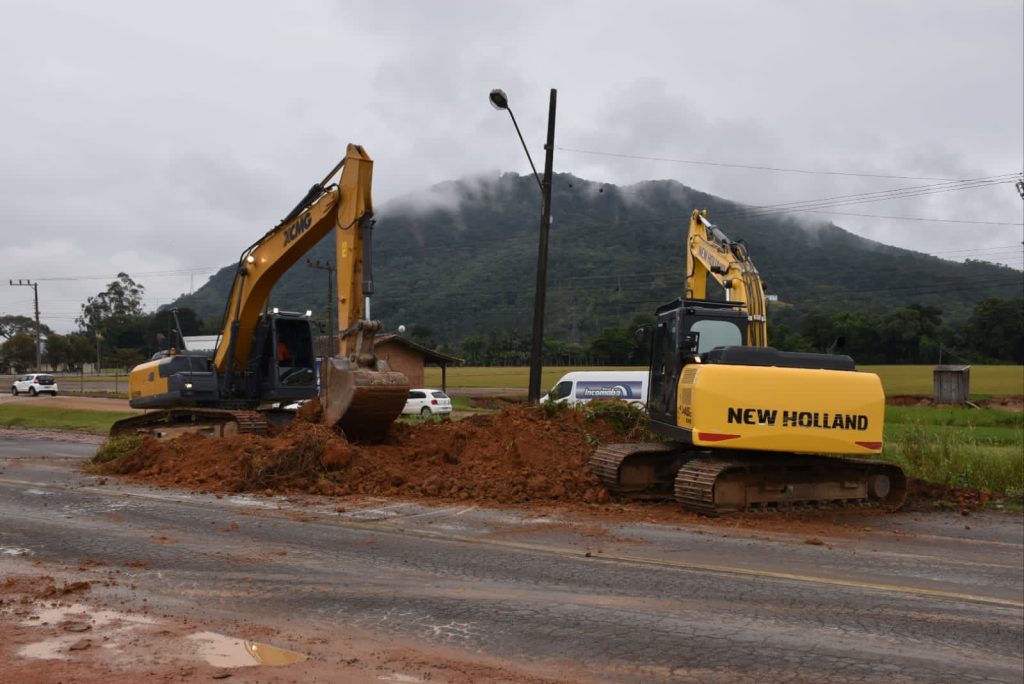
[[951, 384]]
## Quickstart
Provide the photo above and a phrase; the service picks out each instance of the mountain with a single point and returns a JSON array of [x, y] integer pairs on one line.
[[460, 259]]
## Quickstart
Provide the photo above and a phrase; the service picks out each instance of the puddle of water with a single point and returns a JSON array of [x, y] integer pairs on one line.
[[47, 650], [224, 651], [83, 613], [399, 677]]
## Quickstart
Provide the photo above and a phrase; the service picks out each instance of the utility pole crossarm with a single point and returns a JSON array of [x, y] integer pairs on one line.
[[35, 290]]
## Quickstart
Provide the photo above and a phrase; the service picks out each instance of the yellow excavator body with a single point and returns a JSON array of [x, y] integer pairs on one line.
[[785, 410], [752, 428]]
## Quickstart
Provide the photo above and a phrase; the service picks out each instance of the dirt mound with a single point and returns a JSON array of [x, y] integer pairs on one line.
[[909, 400], [923, 495], [517, 455], [1010, 403]]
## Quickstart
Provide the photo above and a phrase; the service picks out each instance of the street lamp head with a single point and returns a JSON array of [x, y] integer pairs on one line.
[[499, 100]]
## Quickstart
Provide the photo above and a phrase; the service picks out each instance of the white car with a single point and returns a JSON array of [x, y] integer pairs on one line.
[[34, 383], [427, 402]]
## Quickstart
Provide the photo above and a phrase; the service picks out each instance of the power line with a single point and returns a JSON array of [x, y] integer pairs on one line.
[[919, 218], [753, 167], [865, 197], [144, 274]]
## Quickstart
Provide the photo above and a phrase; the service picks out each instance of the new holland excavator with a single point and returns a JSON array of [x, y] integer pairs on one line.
[[751, 428], [264, 355]]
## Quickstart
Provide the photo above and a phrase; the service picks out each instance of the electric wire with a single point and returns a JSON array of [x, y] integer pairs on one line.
[[752, 167]]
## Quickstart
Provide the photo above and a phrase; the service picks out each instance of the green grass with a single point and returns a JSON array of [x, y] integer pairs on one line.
[[116, 447], [985, 381], [981, 448], [95, 422], [954, 416]]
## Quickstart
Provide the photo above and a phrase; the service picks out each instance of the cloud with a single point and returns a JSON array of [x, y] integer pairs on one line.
[[153, 139]]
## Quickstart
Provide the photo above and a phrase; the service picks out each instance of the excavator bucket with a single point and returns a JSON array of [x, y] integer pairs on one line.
[[362, 402]]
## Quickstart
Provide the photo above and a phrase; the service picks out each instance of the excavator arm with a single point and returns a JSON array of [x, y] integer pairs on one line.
[[347, 207], [711, 254], [217, 396]]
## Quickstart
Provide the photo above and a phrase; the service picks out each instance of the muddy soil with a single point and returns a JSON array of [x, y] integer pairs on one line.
[[514, 456], [1010, 403], [64, 624], [517, 457]]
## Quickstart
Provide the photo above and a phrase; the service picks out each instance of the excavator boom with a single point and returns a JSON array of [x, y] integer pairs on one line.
[[265, 356]]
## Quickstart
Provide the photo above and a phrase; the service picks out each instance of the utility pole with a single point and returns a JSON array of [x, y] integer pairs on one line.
[[331, 327], [537, 346], [499, 100], [39, 344]]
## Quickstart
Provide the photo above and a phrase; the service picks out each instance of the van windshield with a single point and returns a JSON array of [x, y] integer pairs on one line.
[[560, 390]]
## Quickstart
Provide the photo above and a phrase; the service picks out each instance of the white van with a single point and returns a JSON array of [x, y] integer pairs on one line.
[[580, 387]]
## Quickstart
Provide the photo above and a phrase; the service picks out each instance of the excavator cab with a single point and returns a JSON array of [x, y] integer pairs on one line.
[[685, 330], [284, 366]]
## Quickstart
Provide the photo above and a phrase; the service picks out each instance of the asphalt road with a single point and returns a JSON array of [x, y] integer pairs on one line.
[[907, 598]]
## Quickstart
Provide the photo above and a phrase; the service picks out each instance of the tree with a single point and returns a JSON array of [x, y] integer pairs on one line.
[[122, 298], [115, 315], [13, 324], [56, 353], [474, 350], [19, 352], [423, 336], [80, 351], [996, 329], [613, 347]]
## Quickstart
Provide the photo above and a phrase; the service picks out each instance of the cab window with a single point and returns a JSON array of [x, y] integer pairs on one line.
[[716, 333]]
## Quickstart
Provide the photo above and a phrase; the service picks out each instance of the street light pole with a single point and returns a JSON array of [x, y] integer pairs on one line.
[[500, 101]]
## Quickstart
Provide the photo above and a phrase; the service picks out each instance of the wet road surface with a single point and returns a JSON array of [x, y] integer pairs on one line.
[[908, 598]]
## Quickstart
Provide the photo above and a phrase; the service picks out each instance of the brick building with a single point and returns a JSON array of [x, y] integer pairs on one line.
[[406, 357]]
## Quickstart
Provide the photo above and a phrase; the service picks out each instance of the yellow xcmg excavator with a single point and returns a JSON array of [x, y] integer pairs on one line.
[[749, 423], [265, 355]]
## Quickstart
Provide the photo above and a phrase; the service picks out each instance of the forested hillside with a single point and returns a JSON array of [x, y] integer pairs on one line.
[[459, 260]]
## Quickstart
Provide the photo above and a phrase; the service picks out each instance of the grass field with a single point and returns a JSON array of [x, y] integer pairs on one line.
[[95, 422], [958, 446], [986, 381], [510, 377]]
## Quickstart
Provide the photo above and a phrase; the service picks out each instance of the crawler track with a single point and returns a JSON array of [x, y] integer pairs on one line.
[[170, 423], [737, 482]]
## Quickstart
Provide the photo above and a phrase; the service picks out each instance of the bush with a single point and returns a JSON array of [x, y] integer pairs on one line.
[[115, 447]]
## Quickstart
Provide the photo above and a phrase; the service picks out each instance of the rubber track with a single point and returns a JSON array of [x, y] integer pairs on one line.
[[249, 422], [606, 461], [695, 481]]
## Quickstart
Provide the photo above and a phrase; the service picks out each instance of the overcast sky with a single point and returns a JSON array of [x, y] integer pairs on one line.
[[160, 139]]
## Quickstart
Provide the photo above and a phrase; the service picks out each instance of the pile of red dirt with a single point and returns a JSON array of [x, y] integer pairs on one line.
[[932, 495], [514, 456], [1009, 403]]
